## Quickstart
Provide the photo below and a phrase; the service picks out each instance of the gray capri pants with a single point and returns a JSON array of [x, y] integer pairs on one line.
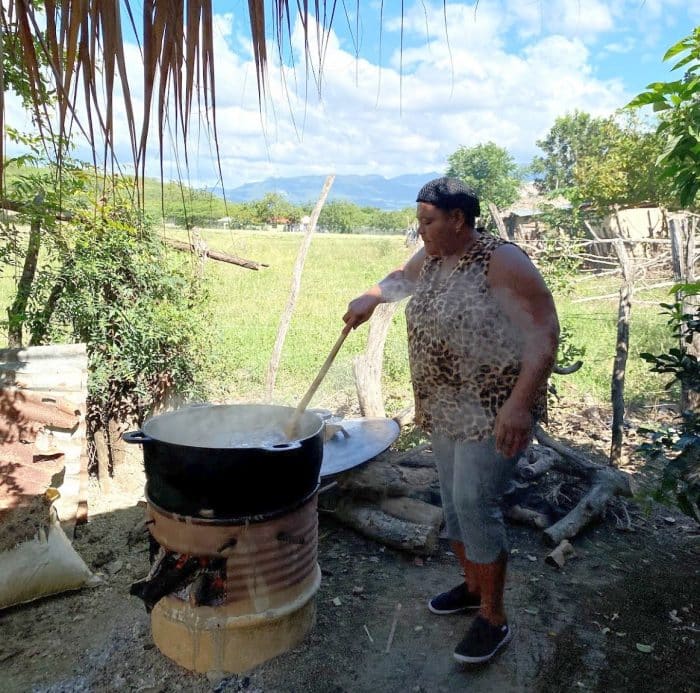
[[473, 478]]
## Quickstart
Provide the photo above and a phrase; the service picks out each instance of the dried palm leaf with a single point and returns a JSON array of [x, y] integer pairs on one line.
[[82, 40]]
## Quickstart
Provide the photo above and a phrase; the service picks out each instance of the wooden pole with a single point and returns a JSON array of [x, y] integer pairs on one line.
[[683, 257], [617, 387], [286, 318], [368, 366], [496, 216], [691, 305]]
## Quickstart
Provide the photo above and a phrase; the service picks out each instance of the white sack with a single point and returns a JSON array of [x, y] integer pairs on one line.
[[47, 564]]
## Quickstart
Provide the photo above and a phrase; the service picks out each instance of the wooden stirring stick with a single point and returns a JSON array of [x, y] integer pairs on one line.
[[290, 429]]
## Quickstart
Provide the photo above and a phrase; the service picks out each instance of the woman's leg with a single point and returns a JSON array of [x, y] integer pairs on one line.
[[464, 596], [468, 567], [491, 579], [444, 456], [481, 477]]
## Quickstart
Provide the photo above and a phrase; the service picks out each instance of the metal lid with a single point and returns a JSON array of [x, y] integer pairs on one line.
[[365, 439]]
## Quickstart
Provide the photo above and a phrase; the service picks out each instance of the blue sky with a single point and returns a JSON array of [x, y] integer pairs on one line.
[[507, 70]]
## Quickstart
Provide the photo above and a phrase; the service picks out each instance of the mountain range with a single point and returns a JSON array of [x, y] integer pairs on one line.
[[364, 191]]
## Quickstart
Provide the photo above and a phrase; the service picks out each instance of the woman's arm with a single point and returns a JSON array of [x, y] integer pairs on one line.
[[525, 299], [395, 286]]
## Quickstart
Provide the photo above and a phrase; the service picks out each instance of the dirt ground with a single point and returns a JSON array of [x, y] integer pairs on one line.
[[623, 615]]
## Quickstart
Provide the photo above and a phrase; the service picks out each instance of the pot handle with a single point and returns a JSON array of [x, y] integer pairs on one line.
[[136, 437], [283, 447]]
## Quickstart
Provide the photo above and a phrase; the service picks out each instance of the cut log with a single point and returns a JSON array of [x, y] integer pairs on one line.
[[373, 482], [536, 462], [606, 483], [383, 479], [558, 557], [526, 516], [571, 461], [414, 457], [405, 416], [421, 539], [412, 510]]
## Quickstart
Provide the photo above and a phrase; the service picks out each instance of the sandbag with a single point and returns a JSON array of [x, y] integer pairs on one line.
[[44, 565]]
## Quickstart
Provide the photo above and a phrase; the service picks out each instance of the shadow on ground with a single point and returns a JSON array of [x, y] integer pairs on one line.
[[575, 629]]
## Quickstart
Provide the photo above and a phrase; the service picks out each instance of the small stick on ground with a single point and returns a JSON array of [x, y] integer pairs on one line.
[[393, 628], [371, 639]]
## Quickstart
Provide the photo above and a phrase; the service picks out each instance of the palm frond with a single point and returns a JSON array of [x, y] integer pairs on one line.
[[81, 41]]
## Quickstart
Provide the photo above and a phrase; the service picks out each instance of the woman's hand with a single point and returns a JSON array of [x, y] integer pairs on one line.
[[361, 308], [513, 428]]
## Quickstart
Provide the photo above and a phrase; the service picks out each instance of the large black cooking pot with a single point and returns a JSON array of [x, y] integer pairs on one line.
[[230, 460]]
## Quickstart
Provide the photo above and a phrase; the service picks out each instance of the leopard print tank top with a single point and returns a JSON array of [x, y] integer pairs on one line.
[[464, 354]]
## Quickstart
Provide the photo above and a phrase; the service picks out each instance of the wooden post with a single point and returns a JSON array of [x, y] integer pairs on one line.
[[683, 258], [622, 346], [496, 216], [368, 366], [286, 318], [598, 248], [201, 250], [513, 228]]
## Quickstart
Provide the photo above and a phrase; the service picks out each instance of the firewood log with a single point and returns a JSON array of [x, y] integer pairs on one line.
[[526, 516], [398, 533], [559, 555], [606, 483]]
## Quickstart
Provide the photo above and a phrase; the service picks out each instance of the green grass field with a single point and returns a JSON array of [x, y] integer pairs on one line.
[[246, 306]]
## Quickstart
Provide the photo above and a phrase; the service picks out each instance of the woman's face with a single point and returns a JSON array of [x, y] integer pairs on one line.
[[438, 229]]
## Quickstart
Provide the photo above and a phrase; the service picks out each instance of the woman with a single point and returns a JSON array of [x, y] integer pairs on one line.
[[482, 339]]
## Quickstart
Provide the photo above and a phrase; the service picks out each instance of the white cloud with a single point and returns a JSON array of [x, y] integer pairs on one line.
[[626, 45], [382, 120]]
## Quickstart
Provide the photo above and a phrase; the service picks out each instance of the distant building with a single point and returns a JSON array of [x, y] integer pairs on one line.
[[522, 218]]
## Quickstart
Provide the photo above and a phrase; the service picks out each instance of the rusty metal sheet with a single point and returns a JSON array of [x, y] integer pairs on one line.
[[365, 439], [43, 392]]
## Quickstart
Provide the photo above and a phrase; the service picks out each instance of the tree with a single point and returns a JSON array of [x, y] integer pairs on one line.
[[187, 207], [138, 310], [678, 104], [274, 206], [384, 221], [341, 216], [602, 161], [572, 137], [627, 174], [490, 170]]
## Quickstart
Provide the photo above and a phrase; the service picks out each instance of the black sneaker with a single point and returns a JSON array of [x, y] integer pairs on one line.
[[458, 599], [482, 641]]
